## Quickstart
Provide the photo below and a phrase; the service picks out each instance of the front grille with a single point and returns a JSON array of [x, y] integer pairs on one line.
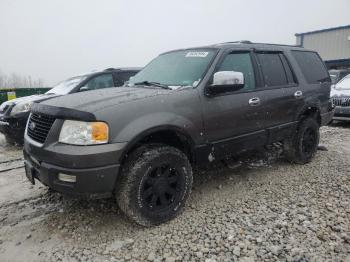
[[341, 101], [39, 126]]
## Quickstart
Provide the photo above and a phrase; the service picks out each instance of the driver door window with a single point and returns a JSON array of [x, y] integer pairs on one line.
[[240, 62], [99, 82]]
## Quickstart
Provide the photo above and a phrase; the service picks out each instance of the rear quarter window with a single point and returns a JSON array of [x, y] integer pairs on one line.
[[311, 66]]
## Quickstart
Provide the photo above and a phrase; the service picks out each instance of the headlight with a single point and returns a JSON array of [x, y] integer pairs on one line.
[[83, 133], [5, 105], [21, 107]]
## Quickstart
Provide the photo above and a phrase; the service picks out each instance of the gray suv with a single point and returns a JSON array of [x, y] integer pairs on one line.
[[186, 107]]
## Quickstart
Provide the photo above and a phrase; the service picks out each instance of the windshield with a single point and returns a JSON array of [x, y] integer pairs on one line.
[[66, 86], [176, 69]]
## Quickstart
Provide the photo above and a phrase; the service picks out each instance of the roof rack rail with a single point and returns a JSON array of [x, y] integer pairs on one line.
[[238, 42], [276, 44], [249, 42], [109, 69]]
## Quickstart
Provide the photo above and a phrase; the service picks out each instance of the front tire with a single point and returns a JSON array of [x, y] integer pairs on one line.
[[155, 183], [10, 141], [302, 146]]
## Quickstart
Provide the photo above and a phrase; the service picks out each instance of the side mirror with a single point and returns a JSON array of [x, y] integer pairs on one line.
[[83, 88], [226, 81]]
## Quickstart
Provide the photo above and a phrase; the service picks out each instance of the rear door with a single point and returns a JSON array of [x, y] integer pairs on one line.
[[280, 94], [316, 88]]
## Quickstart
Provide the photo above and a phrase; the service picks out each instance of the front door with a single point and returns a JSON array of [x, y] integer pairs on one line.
[[232, 121]]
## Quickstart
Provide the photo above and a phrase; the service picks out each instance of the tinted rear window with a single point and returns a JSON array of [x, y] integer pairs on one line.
[[312, 67], [272, 69]]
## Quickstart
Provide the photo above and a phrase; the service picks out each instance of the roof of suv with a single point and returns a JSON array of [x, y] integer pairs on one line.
[[248, 44], [245, 43]]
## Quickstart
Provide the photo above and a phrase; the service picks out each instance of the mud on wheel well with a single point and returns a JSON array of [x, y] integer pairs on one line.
[[166, 137], [313, 112]]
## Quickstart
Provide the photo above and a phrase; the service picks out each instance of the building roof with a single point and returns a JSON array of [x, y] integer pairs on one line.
[[324, 30]]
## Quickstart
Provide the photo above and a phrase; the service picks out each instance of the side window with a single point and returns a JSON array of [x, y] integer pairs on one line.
[[122, 77], [272, 69], [240, 62], [99, 82], [312, 67]]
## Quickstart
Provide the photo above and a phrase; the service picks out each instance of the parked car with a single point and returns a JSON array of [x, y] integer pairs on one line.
[[14, 113], [186, 107], [338, 74], [7, 94], [340, 95]]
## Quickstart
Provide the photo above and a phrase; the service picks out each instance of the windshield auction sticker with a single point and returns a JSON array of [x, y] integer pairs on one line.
[[197, 54]]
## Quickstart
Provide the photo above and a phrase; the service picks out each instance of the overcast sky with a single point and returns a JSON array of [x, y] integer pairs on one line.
[[57, 39]]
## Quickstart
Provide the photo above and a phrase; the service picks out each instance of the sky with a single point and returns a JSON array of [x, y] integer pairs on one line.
[[57, 39]]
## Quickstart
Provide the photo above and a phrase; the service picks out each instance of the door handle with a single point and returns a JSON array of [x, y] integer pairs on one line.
[[298, 94], [255, 101]]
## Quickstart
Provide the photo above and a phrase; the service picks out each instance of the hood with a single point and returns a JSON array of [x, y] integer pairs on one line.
[[96, 100], [26, 99], [32, 98], [18, 100], [340, 93]]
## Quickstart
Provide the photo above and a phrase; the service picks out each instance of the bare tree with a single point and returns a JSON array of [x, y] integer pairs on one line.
[[19, 81]]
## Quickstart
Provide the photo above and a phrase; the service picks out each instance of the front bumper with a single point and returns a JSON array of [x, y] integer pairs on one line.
[[342, 113], [13, 126], [326, 118], [95, 168]]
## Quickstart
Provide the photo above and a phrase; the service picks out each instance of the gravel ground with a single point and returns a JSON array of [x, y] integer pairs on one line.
[[258, 209]]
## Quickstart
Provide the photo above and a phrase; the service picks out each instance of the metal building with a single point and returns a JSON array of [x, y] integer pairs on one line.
[[333, 44]]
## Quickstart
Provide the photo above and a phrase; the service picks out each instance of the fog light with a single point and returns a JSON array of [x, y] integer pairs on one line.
[[67, 178]]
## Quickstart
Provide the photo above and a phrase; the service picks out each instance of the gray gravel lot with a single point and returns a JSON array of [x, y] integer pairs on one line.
[[261, 209]]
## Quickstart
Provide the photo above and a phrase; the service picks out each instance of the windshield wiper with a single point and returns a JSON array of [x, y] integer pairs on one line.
[[150, 83]]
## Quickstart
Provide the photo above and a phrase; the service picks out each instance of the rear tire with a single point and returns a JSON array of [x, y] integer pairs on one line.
[[155, 183], [302, 146]]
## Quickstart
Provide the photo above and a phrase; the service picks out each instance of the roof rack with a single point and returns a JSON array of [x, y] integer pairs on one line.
[[237, 42], [249, 42], [276, 44]]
